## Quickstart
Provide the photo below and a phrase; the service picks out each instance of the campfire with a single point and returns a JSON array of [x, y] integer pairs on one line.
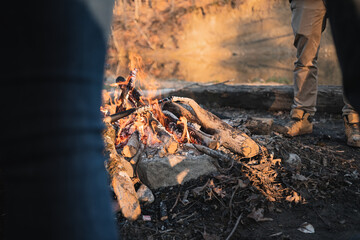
[[177, 133]]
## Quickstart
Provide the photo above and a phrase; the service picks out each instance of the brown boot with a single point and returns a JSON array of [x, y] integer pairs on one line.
[[300, 123], [352, 129]]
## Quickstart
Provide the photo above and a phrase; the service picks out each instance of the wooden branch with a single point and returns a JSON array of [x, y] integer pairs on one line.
[[204, 138], [132, 146], [126, 196], [126, 90], [114, 162], [137, 156], [179, 111], [120, 172], [208, 151], [233, 139], [170, 144]]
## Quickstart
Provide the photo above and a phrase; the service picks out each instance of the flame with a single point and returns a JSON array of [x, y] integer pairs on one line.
[[185, 133], [139, 122], [158, 112], [123, 134]]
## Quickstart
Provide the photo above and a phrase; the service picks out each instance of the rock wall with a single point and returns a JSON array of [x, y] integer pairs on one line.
[[247, 41]]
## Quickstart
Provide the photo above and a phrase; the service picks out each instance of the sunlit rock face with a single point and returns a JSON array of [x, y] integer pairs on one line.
[[172, 170], [249, 41]]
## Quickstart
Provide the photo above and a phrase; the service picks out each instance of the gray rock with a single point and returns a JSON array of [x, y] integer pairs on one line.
[[144, 194], [172, 170], [294, 160]]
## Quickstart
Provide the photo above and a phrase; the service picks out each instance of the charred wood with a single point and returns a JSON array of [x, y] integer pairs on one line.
[[170, 144], [229, 137], [132, 146], [199, 135], [120, 172], [137, 156]]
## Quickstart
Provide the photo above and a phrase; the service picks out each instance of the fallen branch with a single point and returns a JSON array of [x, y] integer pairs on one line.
[[233, 139], [235, 227]]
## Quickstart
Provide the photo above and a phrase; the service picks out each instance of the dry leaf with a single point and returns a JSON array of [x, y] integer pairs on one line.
[[295, 197], [306, 228], [219, 192]]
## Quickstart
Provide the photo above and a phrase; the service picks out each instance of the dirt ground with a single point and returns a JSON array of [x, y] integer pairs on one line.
[[230, 204]]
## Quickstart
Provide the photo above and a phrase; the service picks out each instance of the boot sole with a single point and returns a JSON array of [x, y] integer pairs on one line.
[[299, 133]]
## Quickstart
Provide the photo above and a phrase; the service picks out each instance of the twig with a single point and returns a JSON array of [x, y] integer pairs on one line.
[[235, 227], [230, 203], [177, 200], [183, 219]]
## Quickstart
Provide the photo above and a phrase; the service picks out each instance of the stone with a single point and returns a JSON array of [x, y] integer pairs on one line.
[[294, 161], [172, 170], [144, 194]]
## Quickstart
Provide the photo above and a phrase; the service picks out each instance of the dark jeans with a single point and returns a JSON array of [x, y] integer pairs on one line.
[[345, 25], [53, 181]]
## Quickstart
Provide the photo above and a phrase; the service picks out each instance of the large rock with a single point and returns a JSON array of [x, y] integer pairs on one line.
[[172, 170]]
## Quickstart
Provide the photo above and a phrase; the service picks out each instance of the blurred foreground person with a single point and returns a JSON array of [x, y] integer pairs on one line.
[[344, 17], [308, 22], [53, 180]]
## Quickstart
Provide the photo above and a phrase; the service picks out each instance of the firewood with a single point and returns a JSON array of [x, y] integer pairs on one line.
[[126, 195], [210, 152], [205, 139], [126, 90], [132, 145], [179, 111], [261, 126], [120, 172], [170, 144], [229, 137], [137, 156], [114, 162]]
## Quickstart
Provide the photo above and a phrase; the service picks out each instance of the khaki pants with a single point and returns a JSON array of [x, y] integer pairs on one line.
[[308, 22]]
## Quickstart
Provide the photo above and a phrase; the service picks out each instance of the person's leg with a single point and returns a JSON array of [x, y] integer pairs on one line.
[[345, 24], [52, 165], [307, 23], [352, 124]]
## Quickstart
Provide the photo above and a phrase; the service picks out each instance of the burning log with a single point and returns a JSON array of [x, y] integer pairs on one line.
[[115, 162], [168, 121], [233, 139], [170, 144], [179, 110], [127, 90], [132, 146], [117, 116], [204, 138]]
